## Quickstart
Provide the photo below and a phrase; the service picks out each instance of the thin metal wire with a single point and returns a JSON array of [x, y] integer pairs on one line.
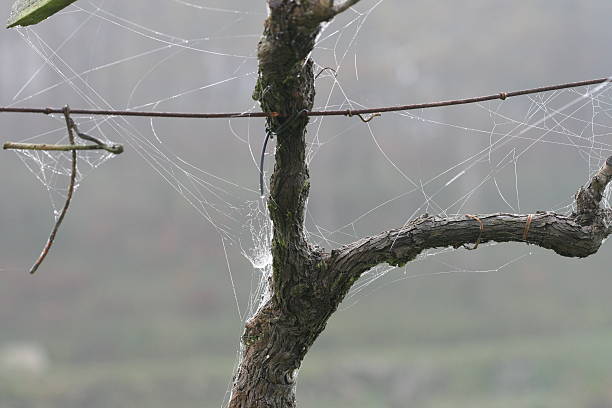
[[269, 136], [262, 162], [346, 112]]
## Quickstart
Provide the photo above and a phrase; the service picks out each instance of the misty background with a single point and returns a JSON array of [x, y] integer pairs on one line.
[[135, 305]]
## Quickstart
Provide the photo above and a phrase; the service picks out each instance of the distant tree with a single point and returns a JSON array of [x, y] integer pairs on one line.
[[308, 283]]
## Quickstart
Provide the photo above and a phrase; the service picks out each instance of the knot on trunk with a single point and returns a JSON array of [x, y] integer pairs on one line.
[[588, 198]]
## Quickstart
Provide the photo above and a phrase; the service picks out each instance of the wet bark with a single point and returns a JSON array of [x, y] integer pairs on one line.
[[307, 284]]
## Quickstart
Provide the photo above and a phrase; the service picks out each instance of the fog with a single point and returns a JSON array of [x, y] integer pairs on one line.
[[141, 301]]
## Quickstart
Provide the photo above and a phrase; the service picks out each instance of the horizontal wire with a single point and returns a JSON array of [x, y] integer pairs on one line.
[[345, 112]]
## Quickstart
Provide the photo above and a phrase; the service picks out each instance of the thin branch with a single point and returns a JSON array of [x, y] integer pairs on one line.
[[73, 173], [345, 112], [114, 148], [577, 235]]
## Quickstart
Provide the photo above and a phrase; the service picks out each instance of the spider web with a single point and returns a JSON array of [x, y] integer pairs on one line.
[[497, 147]]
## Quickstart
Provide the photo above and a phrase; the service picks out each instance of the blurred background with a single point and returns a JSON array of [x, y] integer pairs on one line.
[[141, 302]]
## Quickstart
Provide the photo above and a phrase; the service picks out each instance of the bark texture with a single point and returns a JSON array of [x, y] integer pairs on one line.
[[276, 340], [308, 284]]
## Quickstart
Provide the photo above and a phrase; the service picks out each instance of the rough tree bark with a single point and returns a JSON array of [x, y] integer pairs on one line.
[[308, 284]]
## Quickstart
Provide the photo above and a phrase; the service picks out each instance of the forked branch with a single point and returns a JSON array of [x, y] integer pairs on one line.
[[579, 234]]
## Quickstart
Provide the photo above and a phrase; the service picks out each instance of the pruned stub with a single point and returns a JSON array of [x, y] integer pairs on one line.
[[588, 199]]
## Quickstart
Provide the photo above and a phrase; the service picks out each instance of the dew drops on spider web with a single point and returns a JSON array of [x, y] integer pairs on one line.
[[261, 261]]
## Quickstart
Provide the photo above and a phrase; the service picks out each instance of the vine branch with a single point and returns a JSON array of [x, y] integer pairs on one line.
[[579, 234]]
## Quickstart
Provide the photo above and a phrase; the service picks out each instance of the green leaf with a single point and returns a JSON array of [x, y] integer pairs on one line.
[[28, 12]]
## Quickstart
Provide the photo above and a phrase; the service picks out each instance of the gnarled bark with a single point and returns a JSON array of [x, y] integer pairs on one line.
[[277, 338], [307, 284]]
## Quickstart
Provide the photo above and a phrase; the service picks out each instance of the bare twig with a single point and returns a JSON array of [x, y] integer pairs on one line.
[[73, 172], [345, 112], [111, 148], [114, 148]]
